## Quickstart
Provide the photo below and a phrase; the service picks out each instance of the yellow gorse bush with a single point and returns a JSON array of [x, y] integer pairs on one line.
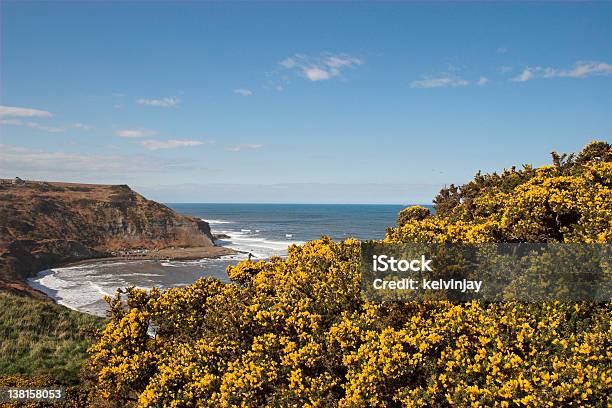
[[296, 332]]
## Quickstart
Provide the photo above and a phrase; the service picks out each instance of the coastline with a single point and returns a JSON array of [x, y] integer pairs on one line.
[[172, 254], [169, 254], [239, 231]]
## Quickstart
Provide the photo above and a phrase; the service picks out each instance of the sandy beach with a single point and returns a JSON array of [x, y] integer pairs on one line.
[[170, 254]]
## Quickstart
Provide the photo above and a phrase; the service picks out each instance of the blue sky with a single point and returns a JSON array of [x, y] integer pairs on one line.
[[289, 102]]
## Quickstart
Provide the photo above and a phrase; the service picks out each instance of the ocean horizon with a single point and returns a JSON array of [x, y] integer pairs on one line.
[[266, 229]]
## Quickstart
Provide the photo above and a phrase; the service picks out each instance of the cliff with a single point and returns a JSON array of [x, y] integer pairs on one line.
[[43, 224]]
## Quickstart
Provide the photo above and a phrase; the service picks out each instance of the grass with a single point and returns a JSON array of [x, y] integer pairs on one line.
[[43, 338]]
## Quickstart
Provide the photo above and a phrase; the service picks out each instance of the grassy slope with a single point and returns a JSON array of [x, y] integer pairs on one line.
[[39, 337]]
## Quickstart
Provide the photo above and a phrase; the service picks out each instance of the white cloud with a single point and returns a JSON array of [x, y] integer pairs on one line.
[[339, 61], [15, 122], [505, 68], [440, 82], [317, 74], [288, 63], [524, 76], [584, 68], [38, 126], [11, 111], [167, 102], [23, 112], [131, 133], [33, 125], [243, 92], [502, 50], [169, 144], [17, 160], [581, 69], [39, 164], [50, 129], [239, 147], [81, 126], [320, 68], [483, 81]]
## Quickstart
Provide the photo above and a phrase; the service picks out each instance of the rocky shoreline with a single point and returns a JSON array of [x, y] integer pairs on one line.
[[48, 224]]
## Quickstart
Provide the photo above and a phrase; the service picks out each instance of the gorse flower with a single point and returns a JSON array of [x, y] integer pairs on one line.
[[296, 332]]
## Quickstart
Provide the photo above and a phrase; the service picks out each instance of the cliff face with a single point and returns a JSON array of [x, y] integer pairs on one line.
[[43, 224]]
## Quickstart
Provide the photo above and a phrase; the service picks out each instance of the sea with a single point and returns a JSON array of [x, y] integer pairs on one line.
[[263, 230]]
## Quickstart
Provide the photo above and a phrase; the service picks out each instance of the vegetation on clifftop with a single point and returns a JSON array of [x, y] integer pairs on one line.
[[568, 201], [296, 332]]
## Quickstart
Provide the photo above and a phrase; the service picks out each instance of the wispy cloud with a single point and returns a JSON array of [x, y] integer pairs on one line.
[[33, 125], [50, 129], [56, 165], [169, 144], [581, 69], [440, 82], [133, 133], [317, 74], [505, 68], [524, 76], [320, 68], [14, 122], [501, 50], [246, 146], [242, 92], [167, 102], [13, 111], [81, 126], [482, 81]]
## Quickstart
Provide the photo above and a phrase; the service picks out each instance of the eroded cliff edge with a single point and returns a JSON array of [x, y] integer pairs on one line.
[[44, 224]]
